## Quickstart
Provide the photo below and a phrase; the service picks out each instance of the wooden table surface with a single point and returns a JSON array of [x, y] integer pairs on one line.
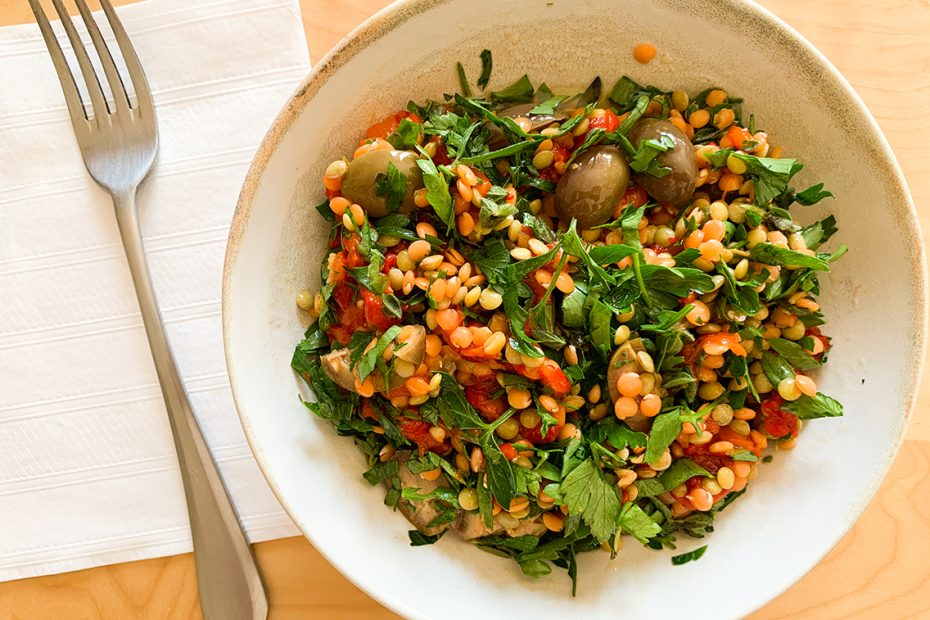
[[881, 569]]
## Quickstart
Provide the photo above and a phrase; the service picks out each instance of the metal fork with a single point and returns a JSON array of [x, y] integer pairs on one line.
[[118, 144]]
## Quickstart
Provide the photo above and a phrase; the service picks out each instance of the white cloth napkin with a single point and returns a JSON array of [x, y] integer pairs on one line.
[[88, 473]]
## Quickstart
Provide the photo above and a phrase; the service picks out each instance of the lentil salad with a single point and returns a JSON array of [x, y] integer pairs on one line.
[[548, 321]]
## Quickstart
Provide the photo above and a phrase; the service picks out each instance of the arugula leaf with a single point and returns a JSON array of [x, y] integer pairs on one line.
[[520, 91], [680, 471], [775, 255], [405, 136], [794, 354], [690, 556], [812, 195], [437, 190], [549, 105], [391, 185], [487, 63], [637, 523], [366, 365], [820, 406], [380, 472], [586, 492]]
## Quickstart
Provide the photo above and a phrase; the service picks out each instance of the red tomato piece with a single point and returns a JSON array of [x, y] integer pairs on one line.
[[535, 435], [480, 396], [374, 312], [609, 122], [417, 431], [776, 422], [552, 376], [509, 452], [738, 135], [634, 195]]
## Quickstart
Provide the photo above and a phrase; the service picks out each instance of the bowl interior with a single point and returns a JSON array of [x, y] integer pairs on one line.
[[800, 505]]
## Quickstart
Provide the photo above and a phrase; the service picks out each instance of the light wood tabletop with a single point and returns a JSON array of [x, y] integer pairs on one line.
[[879, 570]]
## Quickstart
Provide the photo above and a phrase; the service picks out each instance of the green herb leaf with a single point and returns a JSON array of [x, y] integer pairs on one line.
[[637, 523], [665, 429], [406, 135], [463, 80], [820, 406], [418, 539], [812, 195], [645, 158], [601, 334], [520, 91], [690, 556], [437, 191], [794, 354], [775, 255], [369, 359], [586, 492], [391, 186], [487, 63], [680, 471], [770, 175], [380, 472], [548, 106]]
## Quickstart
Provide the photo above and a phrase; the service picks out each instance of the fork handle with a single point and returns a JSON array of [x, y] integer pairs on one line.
[[228, 580]]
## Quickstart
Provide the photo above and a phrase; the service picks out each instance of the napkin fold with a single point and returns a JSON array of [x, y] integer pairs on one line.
[[88, 472]]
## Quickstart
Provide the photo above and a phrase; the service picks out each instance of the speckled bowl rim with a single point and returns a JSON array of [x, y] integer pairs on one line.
[[392, 16]]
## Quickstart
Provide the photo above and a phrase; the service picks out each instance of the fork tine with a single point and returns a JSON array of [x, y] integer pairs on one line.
[[136, 74], [65, 77], [97, 99], [106, 58]]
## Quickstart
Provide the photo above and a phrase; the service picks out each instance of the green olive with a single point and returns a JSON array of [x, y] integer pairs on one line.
[[359, 183], [591, 186], [676, 187]]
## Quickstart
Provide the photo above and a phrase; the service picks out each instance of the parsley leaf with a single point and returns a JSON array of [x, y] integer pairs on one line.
[[637, 523], [586, 492], [645, 158], [437, 191], [391, 185], [770, 175], [369, 359], [406, 135], [548, 106]]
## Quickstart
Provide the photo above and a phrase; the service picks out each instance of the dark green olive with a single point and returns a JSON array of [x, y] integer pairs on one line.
[[591, 186], [676, 187], [359, 183]]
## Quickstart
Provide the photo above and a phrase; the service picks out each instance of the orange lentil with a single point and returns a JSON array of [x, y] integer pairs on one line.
[[448, 319]]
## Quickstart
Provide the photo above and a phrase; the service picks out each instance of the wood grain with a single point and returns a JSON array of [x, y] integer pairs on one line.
[[879, 570]]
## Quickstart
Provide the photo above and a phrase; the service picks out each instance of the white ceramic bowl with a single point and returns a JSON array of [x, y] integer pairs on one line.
[[875, 299]]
